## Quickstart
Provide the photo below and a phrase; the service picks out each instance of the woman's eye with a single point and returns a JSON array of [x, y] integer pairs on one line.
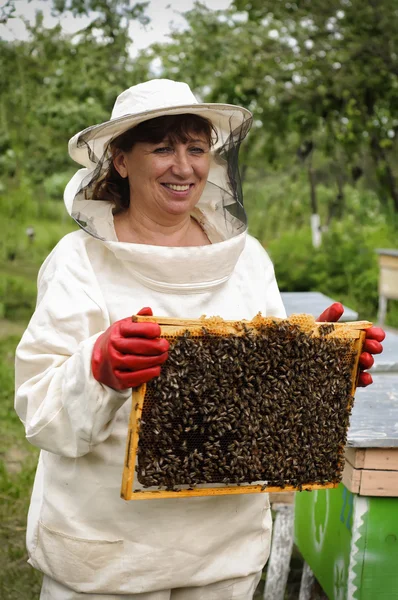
[[163, 150], [197, 150]]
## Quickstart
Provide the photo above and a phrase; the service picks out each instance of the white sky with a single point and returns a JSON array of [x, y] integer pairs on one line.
[[161, 12]]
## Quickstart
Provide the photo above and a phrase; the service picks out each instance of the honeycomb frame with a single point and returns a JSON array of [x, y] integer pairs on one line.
[[172, 328]]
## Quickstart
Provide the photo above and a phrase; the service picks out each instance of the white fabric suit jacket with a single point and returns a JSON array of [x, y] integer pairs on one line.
[[80, 532]]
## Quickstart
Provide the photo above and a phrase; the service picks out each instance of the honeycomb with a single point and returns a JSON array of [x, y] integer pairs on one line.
[[264, 402]]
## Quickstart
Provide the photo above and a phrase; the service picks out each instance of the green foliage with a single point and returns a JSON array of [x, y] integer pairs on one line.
[[48, 226], [392, 313], [7, 10], [327, 72], [292, 255], [54, 185], [17, 297], [110, 14], [24, 209], [54, 85], [345, 267], [277, 202], [7, 352]]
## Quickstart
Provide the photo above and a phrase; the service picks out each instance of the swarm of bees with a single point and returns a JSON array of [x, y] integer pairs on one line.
[[268, 406]]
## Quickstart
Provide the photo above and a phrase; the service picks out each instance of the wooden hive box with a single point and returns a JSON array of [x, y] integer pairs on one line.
[[371, 471], [243, 407]]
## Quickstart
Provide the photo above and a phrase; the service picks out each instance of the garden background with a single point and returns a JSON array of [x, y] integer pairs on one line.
[[321, 79]]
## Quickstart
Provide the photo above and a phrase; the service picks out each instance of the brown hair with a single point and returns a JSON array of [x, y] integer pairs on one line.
[[173, 128]]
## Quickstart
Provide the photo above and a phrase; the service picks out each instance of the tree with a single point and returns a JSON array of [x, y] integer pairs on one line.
[[346, 72], [110, 17], [7, 11], [56, 84], [311, 72]]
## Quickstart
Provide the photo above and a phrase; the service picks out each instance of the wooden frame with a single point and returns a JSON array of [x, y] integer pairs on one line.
[[171, 327]]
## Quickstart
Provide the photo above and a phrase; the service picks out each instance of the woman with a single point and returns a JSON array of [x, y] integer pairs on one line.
[[162, 225]]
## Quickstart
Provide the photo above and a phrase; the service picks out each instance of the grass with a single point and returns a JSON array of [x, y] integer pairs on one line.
[[18, 581], [20, 260]]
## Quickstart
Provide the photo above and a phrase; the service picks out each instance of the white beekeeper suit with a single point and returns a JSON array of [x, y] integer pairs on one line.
[[81, 534]]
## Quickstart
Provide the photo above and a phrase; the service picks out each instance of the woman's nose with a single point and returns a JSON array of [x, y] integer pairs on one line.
[[182, 166]]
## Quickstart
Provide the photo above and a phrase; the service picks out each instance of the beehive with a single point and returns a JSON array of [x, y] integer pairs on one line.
[[243, 407]]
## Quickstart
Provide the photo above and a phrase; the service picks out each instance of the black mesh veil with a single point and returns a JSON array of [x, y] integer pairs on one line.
[[221, 202]]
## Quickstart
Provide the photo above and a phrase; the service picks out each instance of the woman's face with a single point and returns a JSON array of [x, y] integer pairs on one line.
[[166, 178]]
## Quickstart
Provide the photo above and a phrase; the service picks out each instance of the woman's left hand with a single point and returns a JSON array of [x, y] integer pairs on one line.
[[372, 345]]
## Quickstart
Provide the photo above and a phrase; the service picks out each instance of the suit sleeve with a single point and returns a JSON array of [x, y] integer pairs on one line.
[[63, 408]]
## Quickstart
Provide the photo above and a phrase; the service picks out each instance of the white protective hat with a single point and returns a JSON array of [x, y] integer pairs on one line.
[[222, 194], [149, 100]]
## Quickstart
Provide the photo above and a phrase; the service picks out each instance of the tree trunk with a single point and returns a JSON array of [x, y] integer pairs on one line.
[[311, 179], [315, 218], [335, 208]]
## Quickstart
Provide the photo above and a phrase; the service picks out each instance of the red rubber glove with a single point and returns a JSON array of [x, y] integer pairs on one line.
[[128, 354], [372, 345]]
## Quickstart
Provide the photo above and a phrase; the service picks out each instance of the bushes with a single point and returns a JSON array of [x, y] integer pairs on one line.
[[54, 185], [17, 297], [345, 267], [293, 256], [23, 207]]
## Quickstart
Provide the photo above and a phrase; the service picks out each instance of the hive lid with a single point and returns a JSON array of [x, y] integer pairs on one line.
[[387, 251]]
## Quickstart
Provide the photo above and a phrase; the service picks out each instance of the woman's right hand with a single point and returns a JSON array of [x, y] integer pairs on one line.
[[128, 354]]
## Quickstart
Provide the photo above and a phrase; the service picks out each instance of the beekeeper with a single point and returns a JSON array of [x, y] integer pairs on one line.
[[162, 225]]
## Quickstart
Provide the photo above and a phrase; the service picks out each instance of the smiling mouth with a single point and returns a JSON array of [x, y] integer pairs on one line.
[[178, 188]]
